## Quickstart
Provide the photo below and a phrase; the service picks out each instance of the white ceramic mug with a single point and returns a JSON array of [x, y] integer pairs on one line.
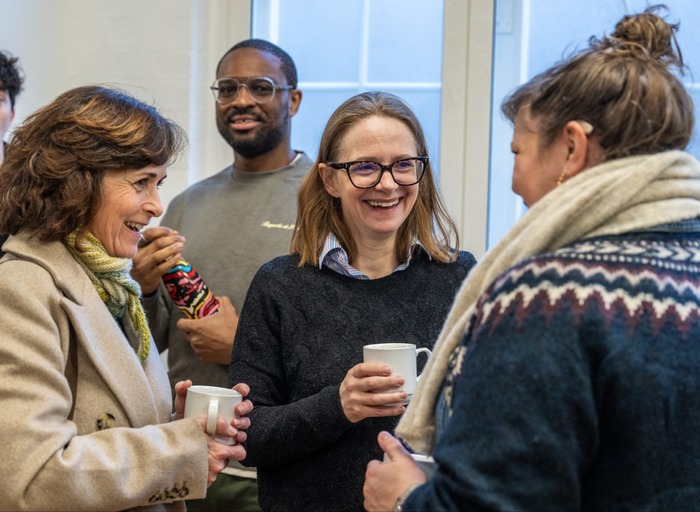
[[401, 357], [425, 462], [212, 402]]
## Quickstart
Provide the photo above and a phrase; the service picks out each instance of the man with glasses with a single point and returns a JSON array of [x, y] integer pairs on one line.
[[227, 226]]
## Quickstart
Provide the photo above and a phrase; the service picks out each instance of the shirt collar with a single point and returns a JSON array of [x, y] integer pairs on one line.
[[334, 256]]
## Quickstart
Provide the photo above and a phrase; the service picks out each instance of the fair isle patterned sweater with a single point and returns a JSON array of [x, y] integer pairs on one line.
[[577, 384]]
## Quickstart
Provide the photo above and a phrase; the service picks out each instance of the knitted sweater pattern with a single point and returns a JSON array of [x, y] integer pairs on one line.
[[575, 386], [300, 331], [639, 281]]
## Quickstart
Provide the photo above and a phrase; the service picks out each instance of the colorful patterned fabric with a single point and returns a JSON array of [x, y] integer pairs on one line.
[[642, 282], [189, 292]]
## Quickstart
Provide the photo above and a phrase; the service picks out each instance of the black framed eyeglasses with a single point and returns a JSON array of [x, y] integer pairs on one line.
[[261, 88], [366, 174]]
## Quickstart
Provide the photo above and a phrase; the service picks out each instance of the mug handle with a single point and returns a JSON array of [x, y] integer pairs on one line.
[[212, 415], [418, 351]]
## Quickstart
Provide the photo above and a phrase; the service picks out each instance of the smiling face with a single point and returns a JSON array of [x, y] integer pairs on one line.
[[375, 213], [129, 200], [535, 169], [252, 128]]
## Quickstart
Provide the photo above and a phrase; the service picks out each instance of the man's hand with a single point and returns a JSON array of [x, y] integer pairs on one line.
[[212, 337]]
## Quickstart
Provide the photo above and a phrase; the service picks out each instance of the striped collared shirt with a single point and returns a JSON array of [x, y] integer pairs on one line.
[[335, 258]]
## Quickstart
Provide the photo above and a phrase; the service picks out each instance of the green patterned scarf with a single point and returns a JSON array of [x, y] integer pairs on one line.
[[110, 277]]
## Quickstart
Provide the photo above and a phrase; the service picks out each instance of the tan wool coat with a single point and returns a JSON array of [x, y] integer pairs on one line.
[[84, 424]]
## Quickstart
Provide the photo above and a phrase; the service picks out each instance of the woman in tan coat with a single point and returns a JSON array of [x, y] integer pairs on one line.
[[86, 421]]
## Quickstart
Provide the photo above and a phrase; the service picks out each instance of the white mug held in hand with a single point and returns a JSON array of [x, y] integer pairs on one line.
[[401, 357], [212, 402]]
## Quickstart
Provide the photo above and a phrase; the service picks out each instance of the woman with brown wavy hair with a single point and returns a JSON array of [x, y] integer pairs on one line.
[[371, 262], [567, 373], [87, 405]]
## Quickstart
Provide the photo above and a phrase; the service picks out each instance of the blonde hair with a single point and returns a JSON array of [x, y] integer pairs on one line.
[[622, 84], [319, 213]]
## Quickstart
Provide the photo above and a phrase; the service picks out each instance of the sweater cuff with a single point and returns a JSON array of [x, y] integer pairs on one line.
[[335, 419]]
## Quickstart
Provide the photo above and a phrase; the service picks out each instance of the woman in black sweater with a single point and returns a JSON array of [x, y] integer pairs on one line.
[[372, 261]]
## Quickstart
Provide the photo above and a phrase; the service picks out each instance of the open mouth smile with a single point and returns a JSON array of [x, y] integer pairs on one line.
[[133, 226], [383, 204]]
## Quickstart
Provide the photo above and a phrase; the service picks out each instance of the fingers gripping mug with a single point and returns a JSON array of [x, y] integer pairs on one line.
[[212, 402], [401, 357]]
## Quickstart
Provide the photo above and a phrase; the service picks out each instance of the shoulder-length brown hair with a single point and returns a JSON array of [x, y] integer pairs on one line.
[[319, 213], [51, 178]]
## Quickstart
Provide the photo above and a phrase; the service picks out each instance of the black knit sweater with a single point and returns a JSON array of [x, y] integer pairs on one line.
[[300, 331]]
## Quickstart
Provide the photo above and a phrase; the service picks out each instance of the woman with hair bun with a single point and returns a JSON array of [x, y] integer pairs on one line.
[[566, 376]]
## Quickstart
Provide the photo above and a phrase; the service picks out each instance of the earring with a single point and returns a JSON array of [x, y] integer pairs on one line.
[[560, 180]]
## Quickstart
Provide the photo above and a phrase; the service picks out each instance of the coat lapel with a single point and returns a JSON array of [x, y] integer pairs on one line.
[[101, 338]]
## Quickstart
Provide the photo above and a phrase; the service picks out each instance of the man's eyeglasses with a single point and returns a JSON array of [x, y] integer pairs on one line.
[[366, 174], [261, 88]]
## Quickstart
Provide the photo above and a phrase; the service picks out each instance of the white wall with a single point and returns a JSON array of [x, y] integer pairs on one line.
[[163, 51]]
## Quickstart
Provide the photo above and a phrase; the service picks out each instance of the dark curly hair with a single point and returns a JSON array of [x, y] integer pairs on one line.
[[51, 179], [11, 77]]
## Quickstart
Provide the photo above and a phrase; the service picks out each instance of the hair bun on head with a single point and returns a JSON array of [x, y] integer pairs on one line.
[[645, 35], [623, 84]]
